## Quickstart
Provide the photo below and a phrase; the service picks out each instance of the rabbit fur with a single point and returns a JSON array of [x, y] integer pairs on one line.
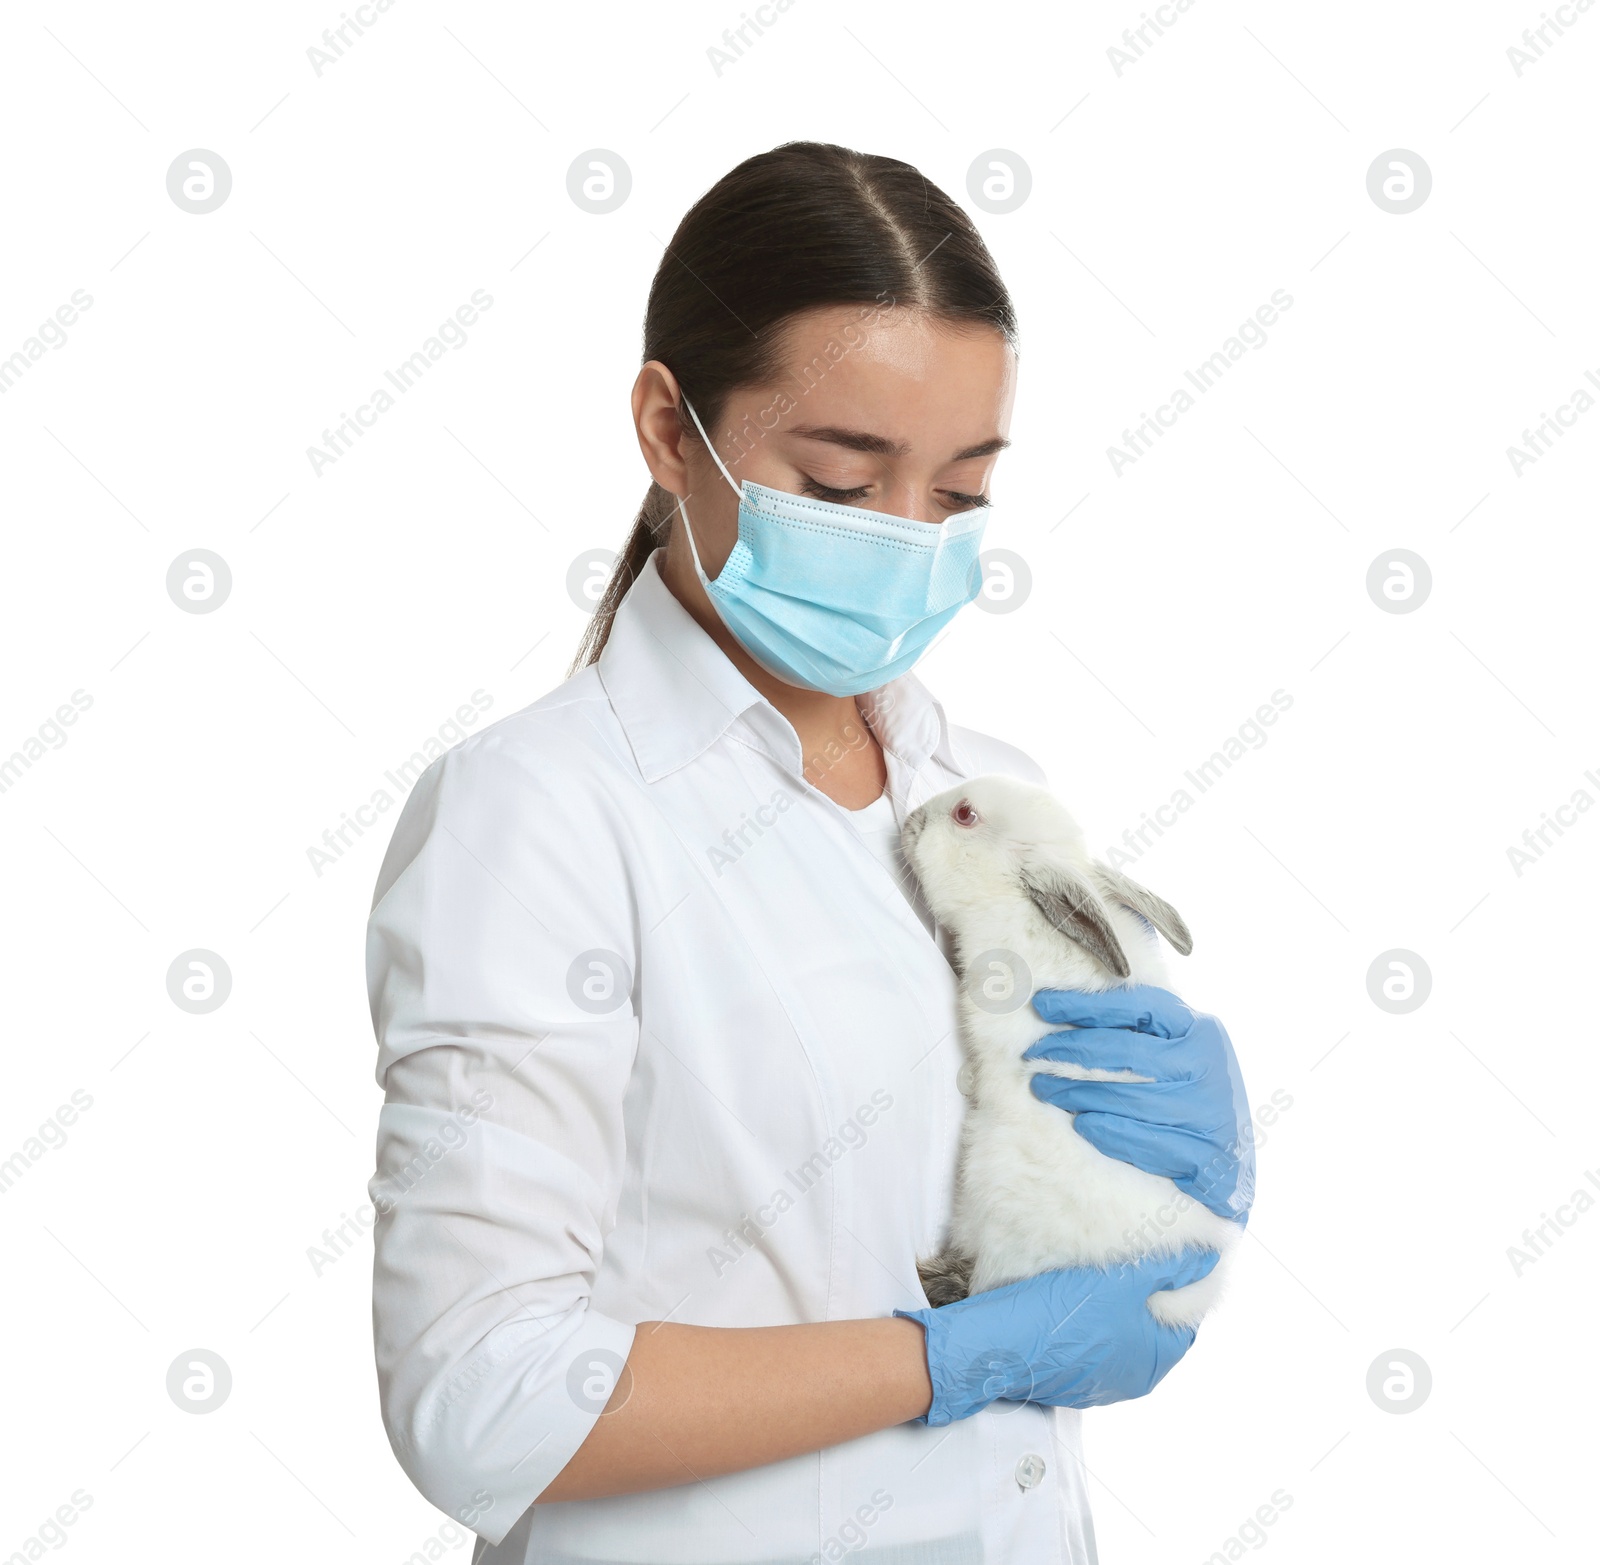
[[1003, 866]]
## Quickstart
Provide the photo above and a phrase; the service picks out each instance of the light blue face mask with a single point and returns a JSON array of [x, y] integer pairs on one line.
[[834, 597]]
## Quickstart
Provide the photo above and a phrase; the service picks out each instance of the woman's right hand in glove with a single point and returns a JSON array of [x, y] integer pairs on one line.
[[1078, 1337]]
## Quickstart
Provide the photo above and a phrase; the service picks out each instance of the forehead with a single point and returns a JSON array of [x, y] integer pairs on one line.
[[900, 373]]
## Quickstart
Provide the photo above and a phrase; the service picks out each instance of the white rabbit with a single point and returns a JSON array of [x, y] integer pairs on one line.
[[1004, 868]]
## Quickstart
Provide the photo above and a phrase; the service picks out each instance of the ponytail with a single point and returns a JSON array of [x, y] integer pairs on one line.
[[650, 529]]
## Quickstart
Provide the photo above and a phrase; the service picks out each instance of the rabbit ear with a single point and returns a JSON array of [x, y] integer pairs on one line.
[[1071, 905], [1115, 885]]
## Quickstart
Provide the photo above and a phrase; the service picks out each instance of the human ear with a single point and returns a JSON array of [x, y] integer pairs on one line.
[[656, 421]]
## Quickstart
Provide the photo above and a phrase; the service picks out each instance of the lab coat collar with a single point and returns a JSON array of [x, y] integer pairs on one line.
[[908, 721], [676, 693]]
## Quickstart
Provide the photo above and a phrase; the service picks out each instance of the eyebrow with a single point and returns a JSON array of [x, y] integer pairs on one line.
[[881, 445]]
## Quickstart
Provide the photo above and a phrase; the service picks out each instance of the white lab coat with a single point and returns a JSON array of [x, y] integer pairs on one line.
[[660, 1038]]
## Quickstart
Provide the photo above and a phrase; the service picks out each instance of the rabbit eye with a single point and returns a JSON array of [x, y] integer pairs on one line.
[[964, 814]]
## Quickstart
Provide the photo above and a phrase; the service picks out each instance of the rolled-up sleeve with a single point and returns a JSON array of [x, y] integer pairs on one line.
[[500, 924]]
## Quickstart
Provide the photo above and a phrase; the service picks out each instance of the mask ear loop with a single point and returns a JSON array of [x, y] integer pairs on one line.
[[684, 509], [712, 449]]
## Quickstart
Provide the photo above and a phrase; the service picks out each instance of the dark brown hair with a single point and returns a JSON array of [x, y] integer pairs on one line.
[[803, 226]]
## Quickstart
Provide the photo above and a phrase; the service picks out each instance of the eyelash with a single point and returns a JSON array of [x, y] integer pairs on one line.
[[844, 496]]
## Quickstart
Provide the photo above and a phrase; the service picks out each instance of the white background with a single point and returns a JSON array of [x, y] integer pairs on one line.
[[1169, 602]]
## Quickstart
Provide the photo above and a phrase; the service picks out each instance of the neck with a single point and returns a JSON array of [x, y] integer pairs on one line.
[[843, 758]]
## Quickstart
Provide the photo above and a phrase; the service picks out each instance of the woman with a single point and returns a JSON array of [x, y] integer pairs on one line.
[[668, 1040]]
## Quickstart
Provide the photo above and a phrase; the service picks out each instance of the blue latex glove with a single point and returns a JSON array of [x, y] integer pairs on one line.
[[1073, 1338], [1191, 1122]]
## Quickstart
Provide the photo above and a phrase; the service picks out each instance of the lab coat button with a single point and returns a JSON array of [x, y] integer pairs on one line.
[[1030, 1470]]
